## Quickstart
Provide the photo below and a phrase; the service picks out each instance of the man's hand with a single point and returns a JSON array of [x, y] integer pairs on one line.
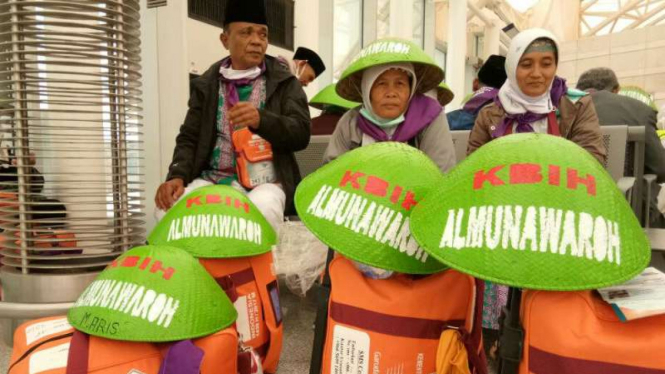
[[244, 114], [168, 193]]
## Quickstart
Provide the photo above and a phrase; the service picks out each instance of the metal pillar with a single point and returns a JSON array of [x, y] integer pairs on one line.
[[456, 55]]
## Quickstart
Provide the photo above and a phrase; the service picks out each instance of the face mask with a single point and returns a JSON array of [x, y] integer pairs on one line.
[[382, 124], [300, 69]]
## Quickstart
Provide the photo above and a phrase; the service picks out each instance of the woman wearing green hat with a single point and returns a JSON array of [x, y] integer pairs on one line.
[[533, 99], [390, 77]]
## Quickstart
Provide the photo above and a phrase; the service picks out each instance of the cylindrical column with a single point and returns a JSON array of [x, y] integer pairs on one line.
[[71, 185], [492, 39], [401, 19], [456, 54]]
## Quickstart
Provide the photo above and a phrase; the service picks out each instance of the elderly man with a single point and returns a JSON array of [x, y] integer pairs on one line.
[[614, 109], [307, 65], [246, 90]]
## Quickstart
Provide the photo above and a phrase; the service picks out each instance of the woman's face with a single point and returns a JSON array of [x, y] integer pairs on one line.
[[390, 94], [535, 72]]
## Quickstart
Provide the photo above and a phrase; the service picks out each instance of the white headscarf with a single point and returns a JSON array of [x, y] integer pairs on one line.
[[513, 100], [370, 75]]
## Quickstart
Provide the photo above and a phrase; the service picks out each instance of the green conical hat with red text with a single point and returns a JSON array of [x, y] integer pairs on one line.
[[360, 203], [153, 294], [533, 211], [215, 222]]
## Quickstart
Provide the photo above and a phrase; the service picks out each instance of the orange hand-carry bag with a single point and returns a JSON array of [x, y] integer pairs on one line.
[[256, 299], [45, 346], [394, 325], [578, 333]]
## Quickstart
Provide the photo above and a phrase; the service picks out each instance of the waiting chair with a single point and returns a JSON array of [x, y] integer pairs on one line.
[[311, 158], [460, 141], [615, 139]]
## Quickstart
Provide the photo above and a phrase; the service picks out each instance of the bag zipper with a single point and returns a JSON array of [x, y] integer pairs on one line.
[[29, 351]]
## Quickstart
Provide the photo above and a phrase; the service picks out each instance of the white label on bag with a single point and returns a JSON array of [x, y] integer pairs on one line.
[[49, 359], [248, 323], [350, 351], [261, 172], [42, 329]]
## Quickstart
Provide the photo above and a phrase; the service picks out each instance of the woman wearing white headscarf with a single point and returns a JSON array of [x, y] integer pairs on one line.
[[534, 99], [392, 87]]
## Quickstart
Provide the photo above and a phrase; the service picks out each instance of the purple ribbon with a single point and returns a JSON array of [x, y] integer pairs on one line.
[[182, 358], [524, 120], [231, 92], [421, 112], [479, 99]]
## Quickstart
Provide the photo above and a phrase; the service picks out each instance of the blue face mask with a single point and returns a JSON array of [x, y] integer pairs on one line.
[[382, 123]]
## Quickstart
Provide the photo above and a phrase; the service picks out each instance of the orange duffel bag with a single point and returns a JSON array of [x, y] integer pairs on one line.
[[43, 346], [579, 333], [251, 284], [394, 325]]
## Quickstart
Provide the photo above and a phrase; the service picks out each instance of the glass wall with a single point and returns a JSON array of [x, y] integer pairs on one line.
[[419, 22], [347, 38]]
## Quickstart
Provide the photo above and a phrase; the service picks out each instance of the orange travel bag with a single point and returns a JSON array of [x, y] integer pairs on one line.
[[394, 325], [251, 284], [43, 346]]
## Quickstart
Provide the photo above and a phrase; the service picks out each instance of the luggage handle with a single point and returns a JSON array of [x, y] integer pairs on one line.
[[321, 321], [511, 335]]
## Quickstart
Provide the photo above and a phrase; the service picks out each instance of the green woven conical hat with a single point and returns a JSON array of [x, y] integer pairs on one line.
[[387, 51], [638, 93], [215, 222], [444, 94], [328, 97], [533, 211], [360, 204], [153, 294]]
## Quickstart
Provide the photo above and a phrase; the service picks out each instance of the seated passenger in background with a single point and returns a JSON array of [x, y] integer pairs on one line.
[[306, 66], [615, 109], [394, 107], [534, 99], [491, 76]]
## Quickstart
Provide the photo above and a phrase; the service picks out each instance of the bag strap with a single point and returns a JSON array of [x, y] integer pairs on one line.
[[476, 334], [79, 348], [511, 334], [321, 321]]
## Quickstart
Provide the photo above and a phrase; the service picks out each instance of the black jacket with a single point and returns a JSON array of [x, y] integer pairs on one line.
[[285, 123], [615, 109]]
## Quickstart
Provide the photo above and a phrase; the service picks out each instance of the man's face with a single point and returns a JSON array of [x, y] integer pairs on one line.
[[306, 73], [246, 43]]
